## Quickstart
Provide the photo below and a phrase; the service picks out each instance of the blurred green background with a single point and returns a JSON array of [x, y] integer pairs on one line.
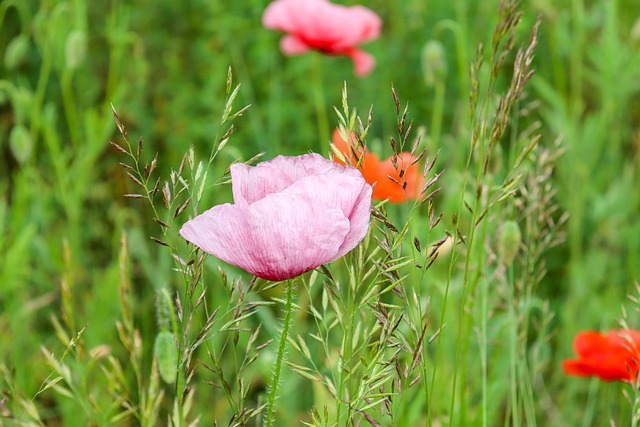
[[163, 65]]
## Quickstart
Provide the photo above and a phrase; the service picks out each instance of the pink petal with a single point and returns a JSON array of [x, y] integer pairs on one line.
[[363, 62], [272, 238], [335, 190], [370, 23], [346, 190], [292, 16], [322, 25], [292, 45], [213, 232], [252, 183], [275, 16], [353, 26], [358, 220], [305, 165]]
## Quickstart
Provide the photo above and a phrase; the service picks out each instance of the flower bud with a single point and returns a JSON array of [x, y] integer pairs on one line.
[[167, 355], [509, 243], [21, 144], [22, 104], [75, 49], [16, 52], [434, 64], [39, 26], [635, 31]]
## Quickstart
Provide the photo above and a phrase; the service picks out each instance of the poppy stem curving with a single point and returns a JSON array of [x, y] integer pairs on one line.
[[273, 392]]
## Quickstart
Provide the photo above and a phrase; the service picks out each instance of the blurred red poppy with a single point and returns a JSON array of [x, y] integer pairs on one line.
[[388, 183], [611, 357]]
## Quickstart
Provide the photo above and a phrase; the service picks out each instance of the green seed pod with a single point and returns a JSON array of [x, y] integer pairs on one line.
[[39, 25], [21, 144], [434, 64], [16, 52], [509, 243], [167, 355], [75, 49], [635, 31], [22, 104], [4, 97]]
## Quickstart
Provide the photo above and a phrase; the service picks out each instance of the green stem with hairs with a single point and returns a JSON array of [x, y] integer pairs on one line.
[[273, 392], [320, 106]]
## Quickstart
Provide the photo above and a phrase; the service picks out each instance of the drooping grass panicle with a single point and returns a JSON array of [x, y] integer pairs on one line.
[[178, 340]]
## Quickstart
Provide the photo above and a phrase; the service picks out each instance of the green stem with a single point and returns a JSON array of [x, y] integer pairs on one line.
[[181, 382], [69, 104], [436, 117], [320, 106], [280, 360], [484, 317], [635, 410], [345, 361], [513, 350], [576, 58], [459, 33]]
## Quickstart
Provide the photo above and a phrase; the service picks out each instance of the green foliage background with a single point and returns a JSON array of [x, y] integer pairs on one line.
[[163, 65]]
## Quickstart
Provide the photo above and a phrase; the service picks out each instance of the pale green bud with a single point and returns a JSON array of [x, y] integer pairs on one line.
[[22, 103], [4, 97], [434, 64], [16, 52], [509, 244], [75, 49], [20, 143], [166, 353], [635, 31]]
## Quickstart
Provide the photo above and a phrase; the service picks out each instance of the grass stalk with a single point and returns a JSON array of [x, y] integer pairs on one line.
[[514, 361]]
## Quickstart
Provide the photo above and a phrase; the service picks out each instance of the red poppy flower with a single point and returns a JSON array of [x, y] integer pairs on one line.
[[389, 184], [611, 357], [325, 27]]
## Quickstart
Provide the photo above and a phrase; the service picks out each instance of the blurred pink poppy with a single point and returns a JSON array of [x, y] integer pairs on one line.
[[291, 215], [326, 27]]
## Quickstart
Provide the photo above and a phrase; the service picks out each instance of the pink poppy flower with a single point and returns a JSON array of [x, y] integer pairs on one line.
[[291, 215], [326, 27]]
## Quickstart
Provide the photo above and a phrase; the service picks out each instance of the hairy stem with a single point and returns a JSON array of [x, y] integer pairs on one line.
[[273, 392]]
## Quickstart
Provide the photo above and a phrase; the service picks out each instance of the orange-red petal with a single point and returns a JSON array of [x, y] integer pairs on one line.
[[610, 357], [385, 176]]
